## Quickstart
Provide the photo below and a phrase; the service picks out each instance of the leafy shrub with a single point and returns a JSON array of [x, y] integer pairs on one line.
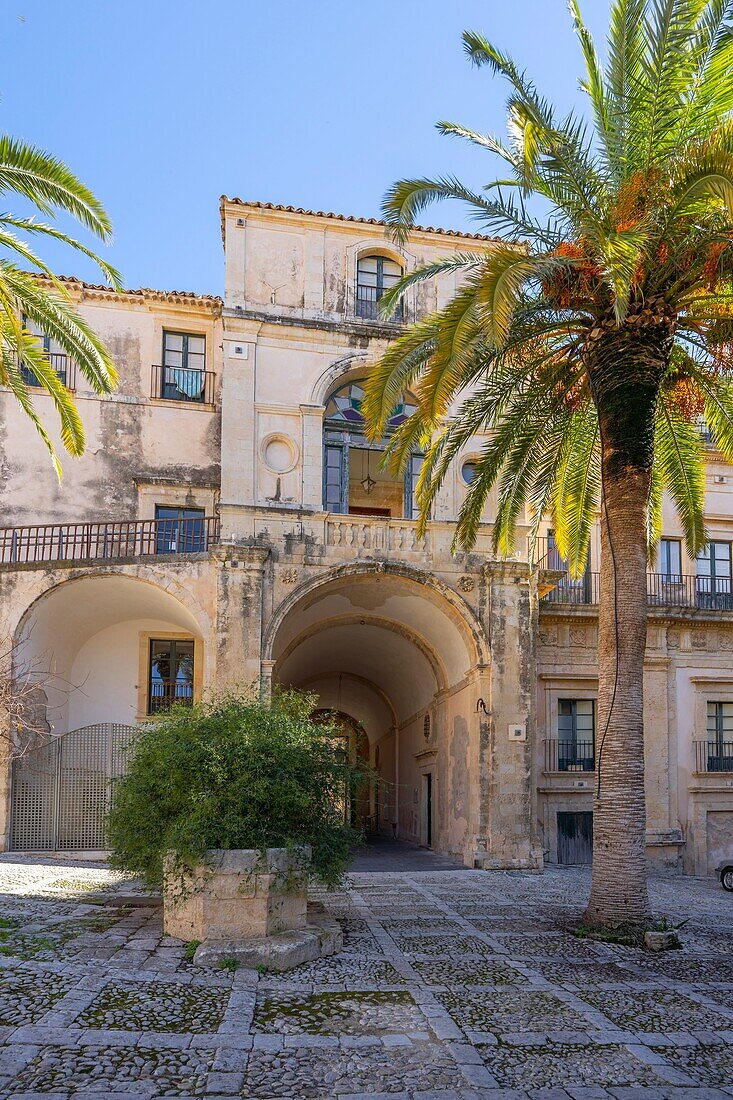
[[234, 773]]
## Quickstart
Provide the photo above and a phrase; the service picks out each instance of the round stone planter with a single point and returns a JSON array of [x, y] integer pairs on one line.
[[237, 895]]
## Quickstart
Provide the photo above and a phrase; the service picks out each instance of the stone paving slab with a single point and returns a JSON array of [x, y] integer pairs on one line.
[[453, 985]]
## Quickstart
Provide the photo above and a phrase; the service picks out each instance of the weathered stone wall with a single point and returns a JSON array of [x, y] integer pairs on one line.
[[688, 663], [134, 440]]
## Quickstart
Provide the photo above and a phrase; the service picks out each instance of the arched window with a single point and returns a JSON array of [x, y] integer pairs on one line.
[[344, 404], [354, 481], [374, 276]]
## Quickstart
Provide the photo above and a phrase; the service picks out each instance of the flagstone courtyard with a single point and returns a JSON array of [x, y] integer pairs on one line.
[[452, 984]]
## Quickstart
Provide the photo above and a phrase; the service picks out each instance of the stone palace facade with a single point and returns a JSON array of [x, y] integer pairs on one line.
[[231, 522]]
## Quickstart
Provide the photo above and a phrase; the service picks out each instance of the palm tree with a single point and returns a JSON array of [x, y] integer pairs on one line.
[[33, 302], [587, 343]]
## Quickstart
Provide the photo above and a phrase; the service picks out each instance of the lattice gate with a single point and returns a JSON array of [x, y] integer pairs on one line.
[[61, 792]]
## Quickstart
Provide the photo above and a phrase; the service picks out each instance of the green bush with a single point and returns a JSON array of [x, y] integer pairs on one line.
[[234, 773]]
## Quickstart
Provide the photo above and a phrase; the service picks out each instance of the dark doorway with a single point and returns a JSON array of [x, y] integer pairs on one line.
[[575, 837], [429, 809]]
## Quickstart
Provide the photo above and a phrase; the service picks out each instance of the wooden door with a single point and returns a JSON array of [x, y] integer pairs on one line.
[[575, 837]]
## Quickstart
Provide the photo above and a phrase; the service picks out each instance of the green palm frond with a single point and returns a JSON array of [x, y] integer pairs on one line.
[[463, 262], [709, 94], [39, 298], [510, 460], [503, 279], [406, 199], [621, 254], [624, 75], [396, 372], [411, 437], [577, 490], [49, 185], [718, 412], [30, 225], [680, 457], [11, 377], [638, 244], [669, 29], [485, 141], [593, 84], [32, 355], [458, 335], [21, 294]]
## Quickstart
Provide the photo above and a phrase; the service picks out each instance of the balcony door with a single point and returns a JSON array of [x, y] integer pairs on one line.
[[714, 577], [170, 674], [183, 377], [576, 725], [179, 530], [720, 737], [575, 589]]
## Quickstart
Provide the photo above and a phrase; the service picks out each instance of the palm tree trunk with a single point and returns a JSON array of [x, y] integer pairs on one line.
[[625, 367], [619, 890]]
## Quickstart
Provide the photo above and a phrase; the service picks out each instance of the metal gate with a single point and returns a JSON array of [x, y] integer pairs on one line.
[[61, 792], [575, 837]]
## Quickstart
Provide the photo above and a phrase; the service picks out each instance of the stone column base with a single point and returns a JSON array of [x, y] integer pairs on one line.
[[321, 936]]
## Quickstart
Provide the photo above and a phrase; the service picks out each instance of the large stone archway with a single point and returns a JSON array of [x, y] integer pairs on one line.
[[404, 657]]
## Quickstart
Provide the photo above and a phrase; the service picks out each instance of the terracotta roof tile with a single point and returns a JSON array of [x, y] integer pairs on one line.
[[348, 218], [185, 297]]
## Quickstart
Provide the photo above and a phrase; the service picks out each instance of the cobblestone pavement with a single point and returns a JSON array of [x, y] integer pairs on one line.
[[453, 985]]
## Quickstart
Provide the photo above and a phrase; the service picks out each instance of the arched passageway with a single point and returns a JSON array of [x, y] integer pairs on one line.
[[398, 654], [108, 648], [102, 653]]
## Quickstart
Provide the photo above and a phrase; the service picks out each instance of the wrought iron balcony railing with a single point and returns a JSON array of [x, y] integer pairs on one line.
[[166, 693], [367, 305], [714, 756], [569, 756], [94, 541], [663, 590], [584, 590], [182, 384], [65, 368]]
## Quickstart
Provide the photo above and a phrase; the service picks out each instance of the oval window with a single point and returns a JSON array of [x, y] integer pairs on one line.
[[468, 471]]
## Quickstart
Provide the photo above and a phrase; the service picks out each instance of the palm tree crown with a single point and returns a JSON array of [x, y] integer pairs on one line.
[[638, 247], [37, 301]]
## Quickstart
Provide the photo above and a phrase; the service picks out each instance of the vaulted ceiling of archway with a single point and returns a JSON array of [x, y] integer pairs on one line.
[[72, 613], [399, 636], [381, 656], [418, 611]]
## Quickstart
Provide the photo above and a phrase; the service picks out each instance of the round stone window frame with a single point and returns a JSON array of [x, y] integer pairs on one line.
[[289, 442], [466, 460]]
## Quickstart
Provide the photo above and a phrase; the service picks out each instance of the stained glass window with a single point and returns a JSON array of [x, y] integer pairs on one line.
[[345, 405]]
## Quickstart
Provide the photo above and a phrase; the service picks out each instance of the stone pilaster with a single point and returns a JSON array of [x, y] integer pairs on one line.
[[312, 456], [241, 584], [508, 725], [238, 458]]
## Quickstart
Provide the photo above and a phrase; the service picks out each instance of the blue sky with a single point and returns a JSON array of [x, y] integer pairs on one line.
[[162, 106]]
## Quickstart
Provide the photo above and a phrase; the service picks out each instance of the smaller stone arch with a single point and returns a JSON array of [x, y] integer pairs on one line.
[[99, 640], [50, 581], [378, 247], [342, 370]]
